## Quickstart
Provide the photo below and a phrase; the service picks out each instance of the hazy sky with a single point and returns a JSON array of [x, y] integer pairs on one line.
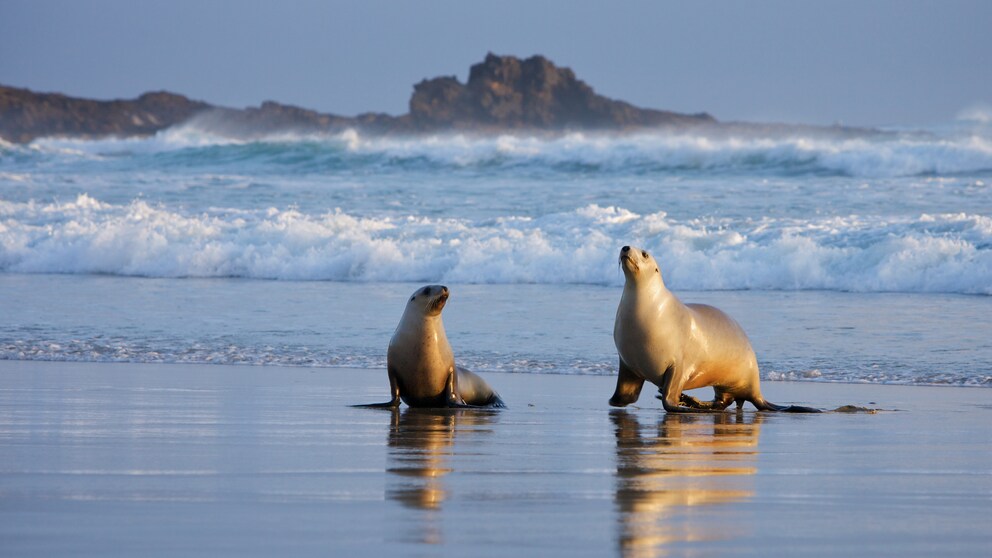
[[858, 62]]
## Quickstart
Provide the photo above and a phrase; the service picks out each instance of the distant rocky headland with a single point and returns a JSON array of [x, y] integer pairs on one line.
[[503, 94]]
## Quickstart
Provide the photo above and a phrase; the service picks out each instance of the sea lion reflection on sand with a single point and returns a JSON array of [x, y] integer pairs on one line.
[[680, 346], [425, 445], [670, 471], [421, 365]]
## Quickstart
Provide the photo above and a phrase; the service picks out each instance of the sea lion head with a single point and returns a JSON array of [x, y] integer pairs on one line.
[[429, 300], [638, 264]]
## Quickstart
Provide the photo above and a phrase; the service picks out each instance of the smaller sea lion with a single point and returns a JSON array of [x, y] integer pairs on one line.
[[421, 365]]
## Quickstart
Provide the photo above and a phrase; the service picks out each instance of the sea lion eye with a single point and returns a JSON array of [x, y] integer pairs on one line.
[[644, 254], [427, 291], [412, 298]]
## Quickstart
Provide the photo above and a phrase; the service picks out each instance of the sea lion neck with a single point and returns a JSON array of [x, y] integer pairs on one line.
[[652, 286]]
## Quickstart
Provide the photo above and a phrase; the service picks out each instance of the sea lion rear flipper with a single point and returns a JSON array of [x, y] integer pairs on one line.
[[800, 409], [475, 391], [496, 402], [670, 392], [721, 401], [763, 405]]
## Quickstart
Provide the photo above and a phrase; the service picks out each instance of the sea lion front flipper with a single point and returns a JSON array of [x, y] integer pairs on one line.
[[629, 386], [386, 405], [451, 395], [394, 390]]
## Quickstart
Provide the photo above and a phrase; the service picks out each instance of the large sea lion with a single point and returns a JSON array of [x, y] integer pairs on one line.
[[421, 365], [680, 346]]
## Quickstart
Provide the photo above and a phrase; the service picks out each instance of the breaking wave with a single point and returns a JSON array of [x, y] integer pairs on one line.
[[967, 150], [926, 253]]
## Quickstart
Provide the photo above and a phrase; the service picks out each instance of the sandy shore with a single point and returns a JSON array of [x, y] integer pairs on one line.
[[178, 460]]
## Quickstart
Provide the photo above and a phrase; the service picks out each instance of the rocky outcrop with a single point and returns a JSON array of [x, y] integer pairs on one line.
[[503, 93], [26, 115], [507, 93]]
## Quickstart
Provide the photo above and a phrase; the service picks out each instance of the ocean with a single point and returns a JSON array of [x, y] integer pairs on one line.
[[846, 258]]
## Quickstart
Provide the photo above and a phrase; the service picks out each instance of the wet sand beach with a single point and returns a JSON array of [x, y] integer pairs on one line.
[[201, 460]]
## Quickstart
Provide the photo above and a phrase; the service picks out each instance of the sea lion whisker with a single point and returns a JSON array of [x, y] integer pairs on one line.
[[625, 258], [438, 301]]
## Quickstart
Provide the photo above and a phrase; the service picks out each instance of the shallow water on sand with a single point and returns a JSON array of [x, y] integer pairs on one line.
[[911, 338], [166, 460]]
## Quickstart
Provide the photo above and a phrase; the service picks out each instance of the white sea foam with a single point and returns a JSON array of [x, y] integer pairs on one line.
[[927, 253], [980, 113], [167, 140]]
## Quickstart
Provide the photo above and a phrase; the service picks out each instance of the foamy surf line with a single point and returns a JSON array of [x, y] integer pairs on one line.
[[886, 155], [102, 350], [949, 253]]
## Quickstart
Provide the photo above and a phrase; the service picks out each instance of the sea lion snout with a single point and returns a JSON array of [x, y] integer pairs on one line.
[[628, 259], [437, 296], [432, 290], [624, 254]]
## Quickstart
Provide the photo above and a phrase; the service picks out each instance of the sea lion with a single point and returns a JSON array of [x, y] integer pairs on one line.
[[421, 365], [680, 346]]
